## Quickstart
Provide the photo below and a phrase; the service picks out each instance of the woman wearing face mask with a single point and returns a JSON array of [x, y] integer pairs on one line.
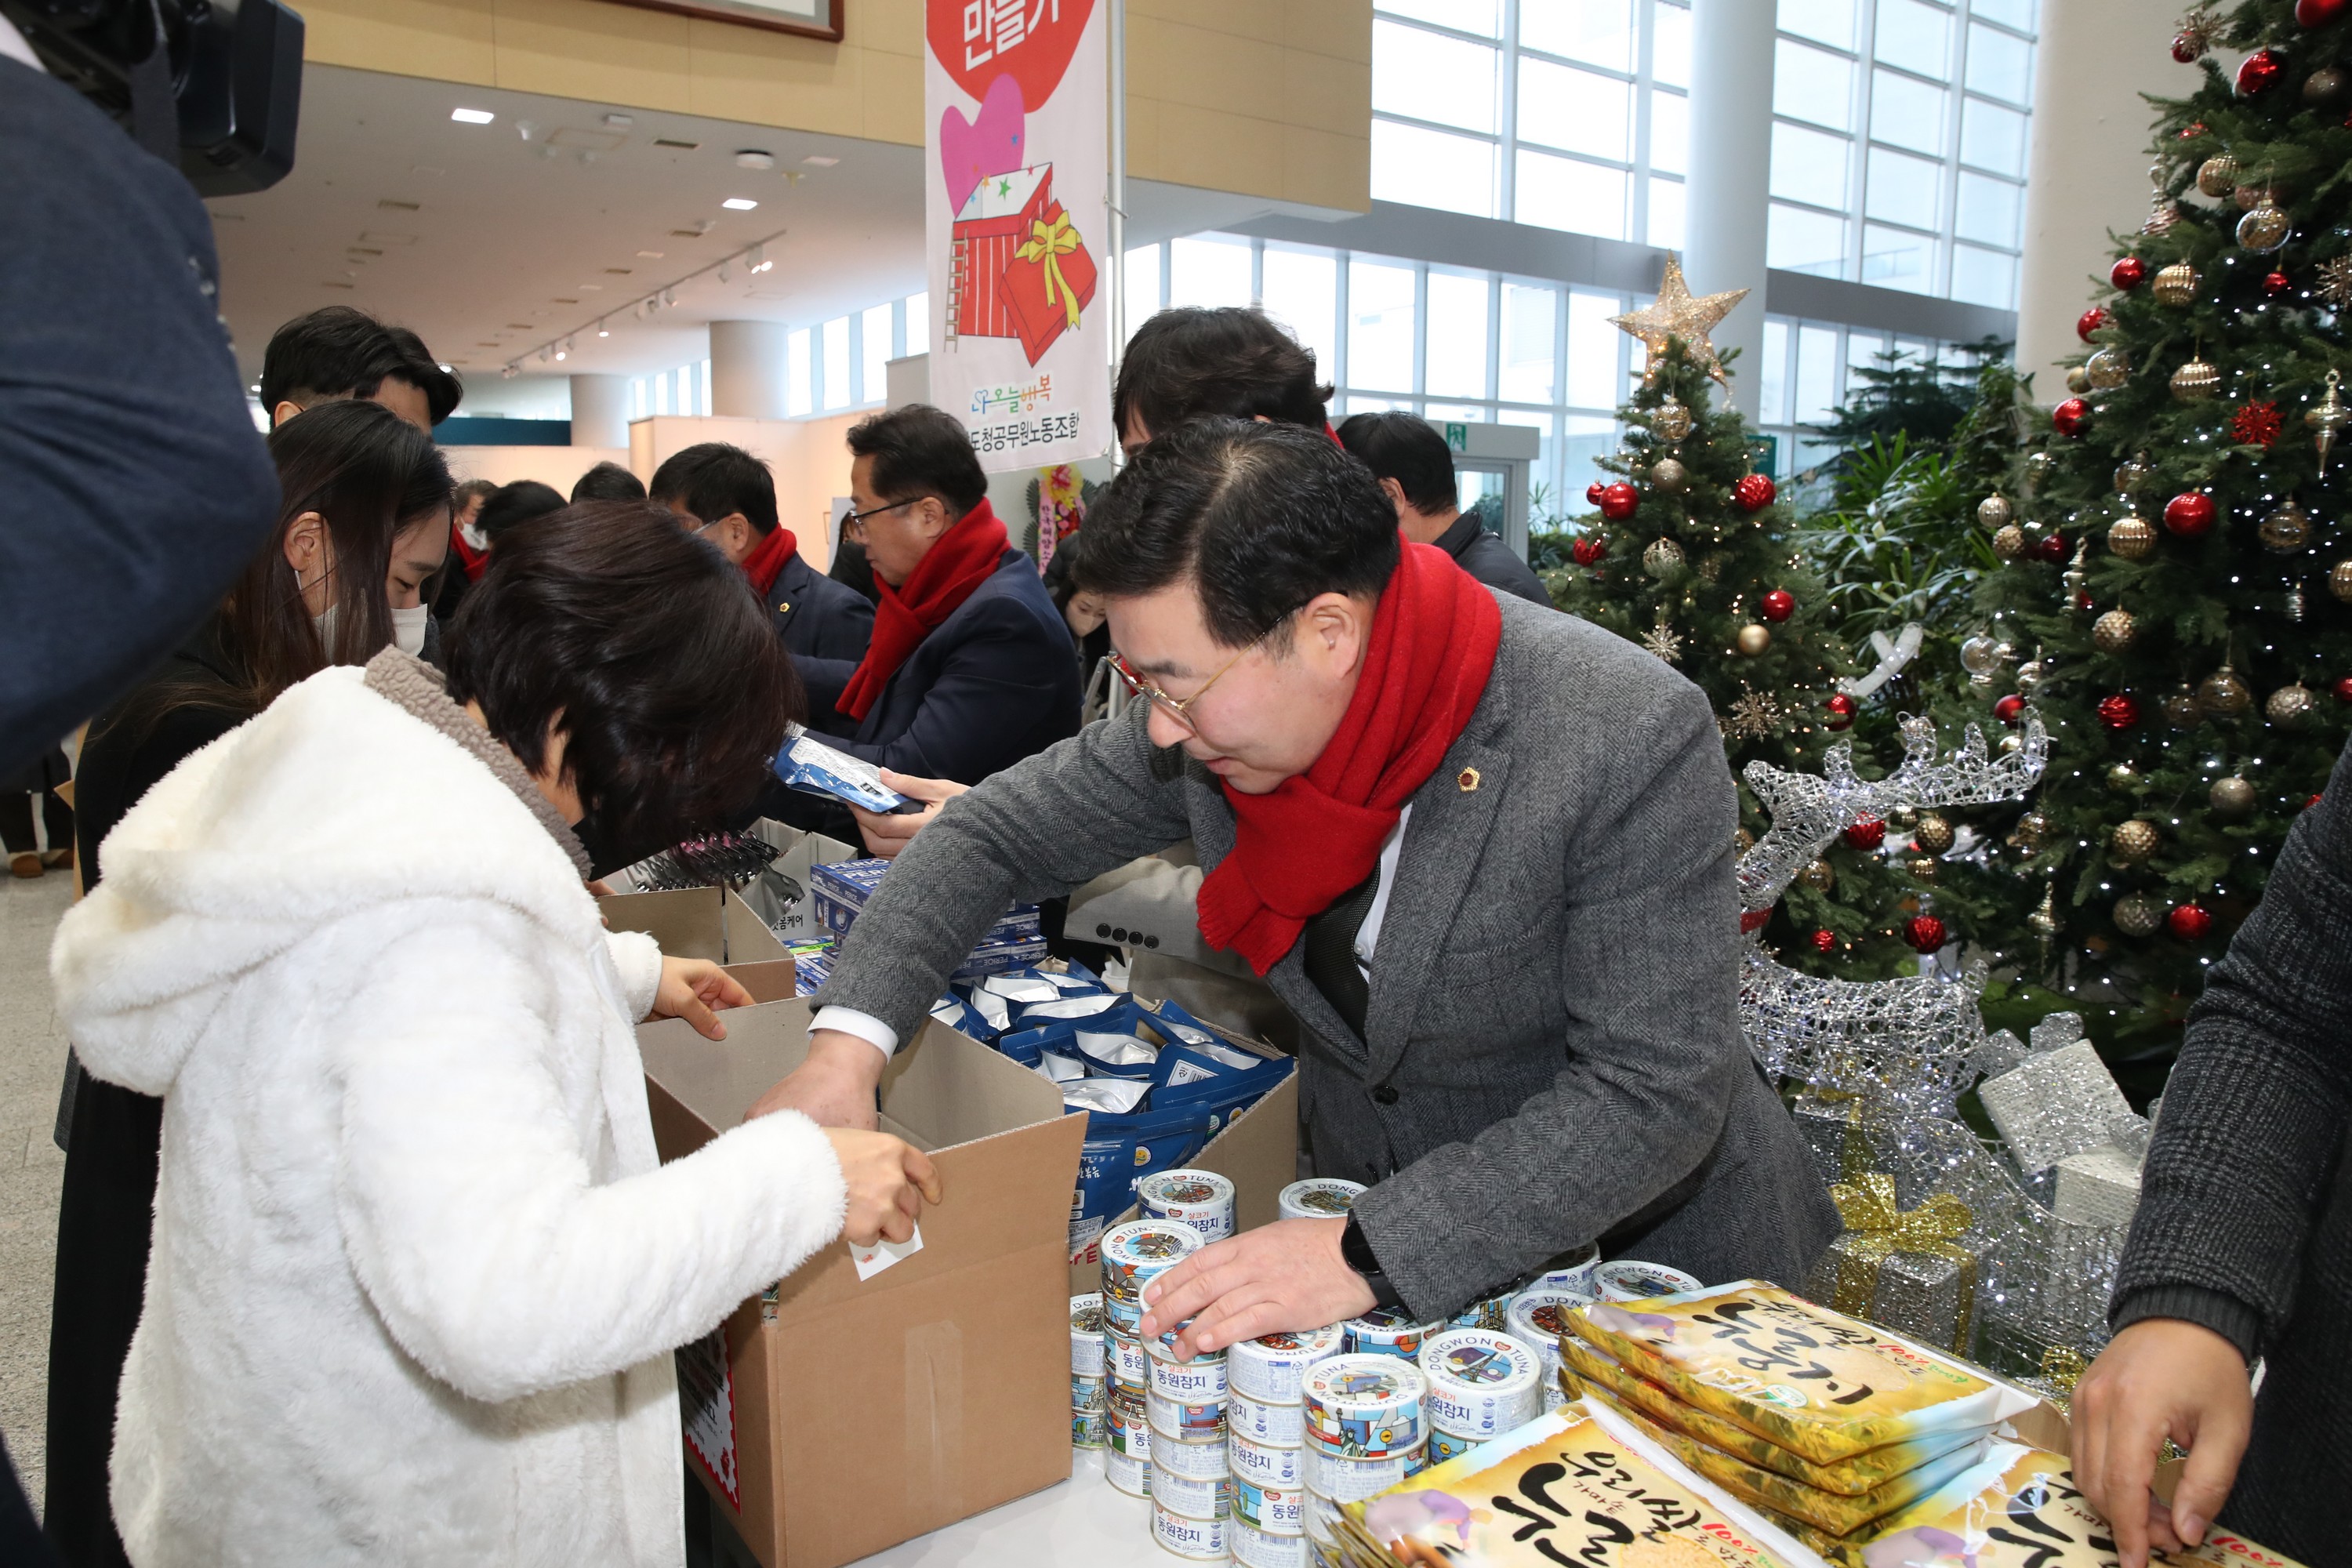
[[365, 502]]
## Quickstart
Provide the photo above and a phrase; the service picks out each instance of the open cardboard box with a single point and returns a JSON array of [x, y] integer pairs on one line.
[[696, 922], [836, 1416]]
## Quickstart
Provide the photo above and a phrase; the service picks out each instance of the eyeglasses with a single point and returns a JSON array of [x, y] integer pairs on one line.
[[857, 520], [1180, 710]]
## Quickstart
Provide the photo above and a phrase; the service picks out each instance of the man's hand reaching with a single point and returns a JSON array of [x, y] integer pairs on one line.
[[886, 834], [835, 1087]]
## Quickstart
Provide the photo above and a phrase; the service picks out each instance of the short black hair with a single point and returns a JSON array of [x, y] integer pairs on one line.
[[1403, 446], [1190, 364], [518, 502], [712, 479], [443, 391], [1259, 518], [338, 351], [672, 690], [610, 482], [920, 450]]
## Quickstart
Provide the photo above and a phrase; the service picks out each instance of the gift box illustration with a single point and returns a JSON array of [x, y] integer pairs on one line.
[[1020, 269]]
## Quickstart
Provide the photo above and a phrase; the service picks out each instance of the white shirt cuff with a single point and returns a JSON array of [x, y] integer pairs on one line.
[[865, 1026]]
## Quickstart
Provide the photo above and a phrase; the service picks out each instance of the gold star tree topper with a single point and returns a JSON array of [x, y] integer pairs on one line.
[[1676, 315]]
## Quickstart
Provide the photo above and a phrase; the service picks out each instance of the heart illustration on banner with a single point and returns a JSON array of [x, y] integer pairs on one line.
[[971, 149], [1031, 40]]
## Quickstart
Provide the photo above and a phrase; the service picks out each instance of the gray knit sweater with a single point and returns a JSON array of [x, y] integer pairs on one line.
[[2245, 1216]]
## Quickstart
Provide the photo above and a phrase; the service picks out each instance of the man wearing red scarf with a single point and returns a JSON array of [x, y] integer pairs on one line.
[[728, 496], [1481, 850]]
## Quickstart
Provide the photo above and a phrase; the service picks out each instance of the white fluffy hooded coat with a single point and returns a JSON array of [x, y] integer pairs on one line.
[[416, 1270]]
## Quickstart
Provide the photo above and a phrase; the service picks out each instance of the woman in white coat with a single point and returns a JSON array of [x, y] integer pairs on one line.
[[416, 1272]]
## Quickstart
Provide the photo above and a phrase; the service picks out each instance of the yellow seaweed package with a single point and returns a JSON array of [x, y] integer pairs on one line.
[[1816, 1382], [1865, 1472], [1825, 1511], [2016, 1508], [1561, 1489]]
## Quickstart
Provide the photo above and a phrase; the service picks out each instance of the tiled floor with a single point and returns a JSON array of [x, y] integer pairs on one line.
[[32, 1059]]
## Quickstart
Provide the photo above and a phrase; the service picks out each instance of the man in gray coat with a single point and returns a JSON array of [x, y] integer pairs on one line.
[[1520, 1029]]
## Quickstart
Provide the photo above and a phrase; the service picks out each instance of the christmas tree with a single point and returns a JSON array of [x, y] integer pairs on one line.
[[1691, 555], [2175, 568]]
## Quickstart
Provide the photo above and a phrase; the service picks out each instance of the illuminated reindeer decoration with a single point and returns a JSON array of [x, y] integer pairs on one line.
[[1911, 1041]]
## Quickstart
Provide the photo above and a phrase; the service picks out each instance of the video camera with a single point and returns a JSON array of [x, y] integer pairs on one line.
[[214, 86]]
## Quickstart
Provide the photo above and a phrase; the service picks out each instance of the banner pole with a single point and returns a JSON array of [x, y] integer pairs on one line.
[[1117, 258]]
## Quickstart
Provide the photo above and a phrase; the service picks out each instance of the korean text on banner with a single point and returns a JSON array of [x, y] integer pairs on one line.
[[1016, 214]]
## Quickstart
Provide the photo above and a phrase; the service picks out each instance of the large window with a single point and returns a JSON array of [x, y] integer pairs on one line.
[[828, 365]]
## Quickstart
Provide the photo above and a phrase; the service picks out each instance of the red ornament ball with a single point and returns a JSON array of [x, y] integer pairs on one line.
[[2089, 321], [1619, 502], [2189, 922], [2276, 283], [1867, 834], [2052, 547], [2070, 416], [2344, 690], [2083, 601], [1779, 604], [2119, 711], [1594, 491], [1589, 549], [1842, 708], [2187, 48], [1753, 921], [1925, 933], [2319, 12], [2259, 72], [2010, 709], [2128, 273], [1753, 492], [1824, 942], [2189, 514]]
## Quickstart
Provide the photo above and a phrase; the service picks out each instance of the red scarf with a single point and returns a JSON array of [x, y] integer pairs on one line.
[[768, 558], [475, 561], [1319, 833], [959, 560]]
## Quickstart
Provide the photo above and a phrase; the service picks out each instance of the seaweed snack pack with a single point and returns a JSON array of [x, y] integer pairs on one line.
[[1567, 1487], [809, 765], [838, 891], [1818, 1383]]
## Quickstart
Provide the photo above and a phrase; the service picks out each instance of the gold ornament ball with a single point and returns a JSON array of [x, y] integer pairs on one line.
[[2123, 778], [1753, 640], [1934, 836], [2218, 175], [2011, 743], [2113, 632], [2291, 707], [1995, 512], [1668, 475], [1663, 558], [2196, 380], [2130, 474], [2339, 580], [2286, 529], [2029, 676], [1903, 818], [2252, 194], [2176, 285], [2222, 695], [2324, 85], [1819, 875], [2180, 710], [2009, 543], [2038, 465], [2133, 538], [2133, 841], [2137, 914], [2107, 369], [2264, 229], [1922, 867], [2078, 380], [2031, 832], [1671, 420], [2231, 798]]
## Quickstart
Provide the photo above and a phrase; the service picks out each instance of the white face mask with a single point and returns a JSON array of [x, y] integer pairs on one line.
[[408, 629], [325, 623]]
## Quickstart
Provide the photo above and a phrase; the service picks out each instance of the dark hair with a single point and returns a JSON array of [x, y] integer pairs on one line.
[[517, 503], [643, 644], [1061, 576], [1403, 446], [338, 351], [371, 476], [712, 479], [919, 450], [609, 482], [443, 391], [1191, 364], [474, 491], [1258, 517]]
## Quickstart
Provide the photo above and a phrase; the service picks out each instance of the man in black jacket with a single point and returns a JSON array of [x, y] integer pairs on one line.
[[1416, 473], [730, 497], [2243, 1244]]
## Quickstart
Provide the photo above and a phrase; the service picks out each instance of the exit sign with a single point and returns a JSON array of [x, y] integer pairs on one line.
[[1457, 437]]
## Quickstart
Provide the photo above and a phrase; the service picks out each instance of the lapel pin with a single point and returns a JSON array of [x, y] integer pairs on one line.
[[784, 606], [1468, 781]]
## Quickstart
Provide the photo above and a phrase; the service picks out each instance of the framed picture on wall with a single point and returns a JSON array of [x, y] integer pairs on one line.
[[808, 18]]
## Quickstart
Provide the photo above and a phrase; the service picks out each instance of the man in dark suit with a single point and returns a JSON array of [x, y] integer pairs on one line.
[[728, 496], [969, 668], [1483, 851], [1416, 473]]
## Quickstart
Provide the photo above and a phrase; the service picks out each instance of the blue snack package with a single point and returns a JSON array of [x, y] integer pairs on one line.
[[1024, 1039], [1122, 1148], [1117, 1054], [808, 764], [960, 1015]]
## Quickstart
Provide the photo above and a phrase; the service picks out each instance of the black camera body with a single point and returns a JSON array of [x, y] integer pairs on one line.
[[214, 86]]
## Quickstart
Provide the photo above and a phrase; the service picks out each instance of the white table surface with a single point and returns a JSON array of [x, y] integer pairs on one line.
[[1083, 1522]]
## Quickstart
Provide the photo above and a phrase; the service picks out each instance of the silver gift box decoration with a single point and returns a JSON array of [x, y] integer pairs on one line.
[[1827, 1124], [2098, 1186], [2055, 1104]]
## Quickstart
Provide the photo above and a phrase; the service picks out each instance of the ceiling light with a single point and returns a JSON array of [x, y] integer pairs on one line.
[[760, 262], [752, 158], [559, 354], [739, 203], [669, 297], [819, 161], [472, 116], [572, 345], [620, 121], [603, 331]]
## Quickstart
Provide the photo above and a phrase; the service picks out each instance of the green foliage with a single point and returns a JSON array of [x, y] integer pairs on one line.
[[1898, 547], [1921, 401]]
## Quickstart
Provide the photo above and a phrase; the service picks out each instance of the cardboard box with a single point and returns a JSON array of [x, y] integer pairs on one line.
[[833, 1418], [696, 922]]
